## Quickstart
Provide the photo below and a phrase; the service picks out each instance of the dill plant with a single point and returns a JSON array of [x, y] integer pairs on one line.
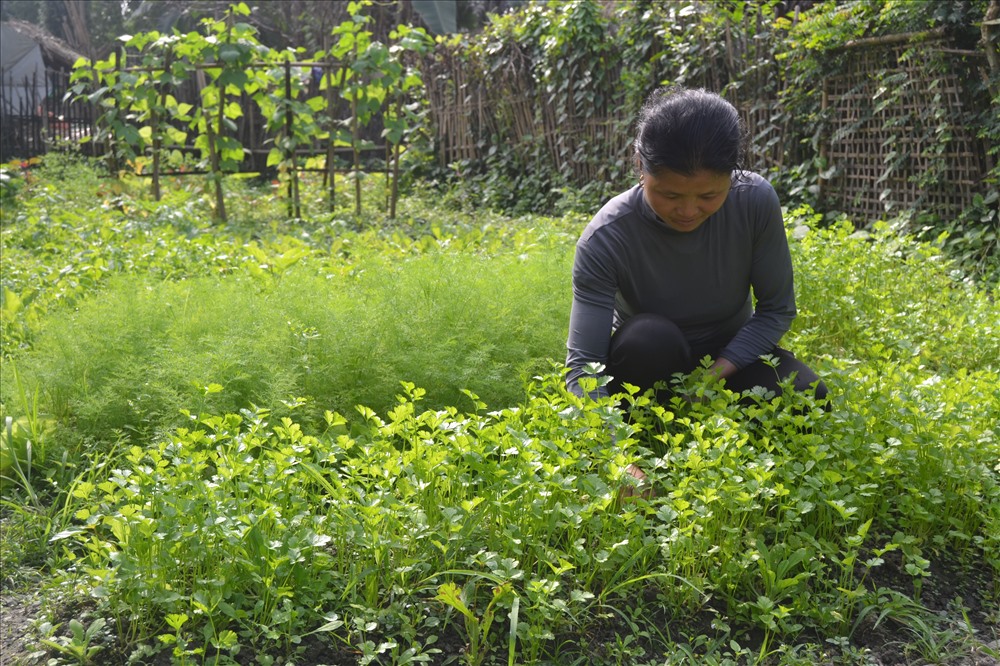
[[131, 356]]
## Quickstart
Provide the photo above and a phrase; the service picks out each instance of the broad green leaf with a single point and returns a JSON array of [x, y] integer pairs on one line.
[[230, 53], [450, 594]]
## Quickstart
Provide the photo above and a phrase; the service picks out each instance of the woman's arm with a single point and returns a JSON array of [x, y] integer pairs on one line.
[[591, 315], [722, 368], [772, 282], [589, 336]]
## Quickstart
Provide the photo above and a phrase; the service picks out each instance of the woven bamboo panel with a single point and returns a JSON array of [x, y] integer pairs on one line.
[[472, 111], [453, 106], [897, 128], [888, 114]]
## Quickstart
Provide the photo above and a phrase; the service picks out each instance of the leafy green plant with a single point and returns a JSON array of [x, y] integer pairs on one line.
[[364, 62], [294, 123], [296, 435], [477, 628], [403, 122], [137, 108], [12, 179], [77, 646], [23, 440], [226, 48]]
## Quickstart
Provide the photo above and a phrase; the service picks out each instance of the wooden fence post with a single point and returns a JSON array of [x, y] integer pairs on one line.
[[396, 149], [355, 139], [213, 153], [45, 133], [155, 121], [295, 209], [113, 164], [331, 170]]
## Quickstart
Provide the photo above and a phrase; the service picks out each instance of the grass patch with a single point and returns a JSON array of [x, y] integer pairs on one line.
[[131, 357]]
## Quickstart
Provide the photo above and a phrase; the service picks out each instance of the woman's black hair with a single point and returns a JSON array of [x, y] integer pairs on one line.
[[688, 130]]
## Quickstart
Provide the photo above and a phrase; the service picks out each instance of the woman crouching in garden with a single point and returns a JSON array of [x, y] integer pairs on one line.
[[667, 272]]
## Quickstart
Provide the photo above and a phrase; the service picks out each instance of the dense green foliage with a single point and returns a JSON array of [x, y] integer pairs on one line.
[[559, 84], [268, 442], [142, 124], [564, 80]]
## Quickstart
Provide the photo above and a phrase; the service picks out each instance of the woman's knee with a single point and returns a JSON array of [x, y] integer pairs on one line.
[[772, 373], [648, 348], [805, 378]]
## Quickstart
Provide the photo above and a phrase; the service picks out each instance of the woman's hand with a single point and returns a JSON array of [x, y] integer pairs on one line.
[[638, 486], [722, 368], [703, 379]]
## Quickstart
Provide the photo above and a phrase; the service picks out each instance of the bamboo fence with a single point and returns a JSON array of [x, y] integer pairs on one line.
[[914, 149], [918, 150]]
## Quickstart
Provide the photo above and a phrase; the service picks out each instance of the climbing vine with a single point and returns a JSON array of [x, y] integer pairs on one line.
[[554, 89], [142, 121]]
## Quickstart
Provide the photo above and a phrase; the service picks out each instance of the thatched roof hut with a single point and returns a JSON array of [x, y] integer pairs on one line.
[[56, 53]]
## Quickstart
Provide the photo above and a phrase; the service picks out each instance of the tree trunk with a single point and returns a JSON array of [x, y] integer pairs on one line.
[[75, 27], [989, 28]]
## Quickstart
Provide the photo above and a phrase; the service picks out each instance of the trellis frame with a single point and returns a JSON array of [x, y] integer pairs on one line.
[[885, 154], [939, 168]]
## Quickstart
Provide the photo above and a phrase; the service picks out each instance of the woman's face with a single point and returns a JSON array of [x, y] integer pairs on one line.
[[685, 202]]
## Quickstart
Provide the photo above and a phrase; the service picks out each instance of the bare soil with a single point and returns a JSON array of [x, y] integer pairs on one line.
[[17, 611], [960, 598]]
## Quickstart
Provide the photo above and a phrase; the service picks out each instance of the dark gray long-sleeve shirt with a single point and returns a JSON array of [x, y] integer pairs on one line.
[[629, 262]]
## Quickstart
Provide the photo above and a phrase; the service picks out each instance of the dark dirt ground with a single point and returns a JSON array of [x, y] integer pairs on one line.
[[962, 600], [17, 612], [968, 631]]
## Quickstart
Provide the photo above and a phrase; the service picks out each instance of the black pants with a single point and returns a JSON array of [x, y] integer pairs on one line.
[[649, 348]]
